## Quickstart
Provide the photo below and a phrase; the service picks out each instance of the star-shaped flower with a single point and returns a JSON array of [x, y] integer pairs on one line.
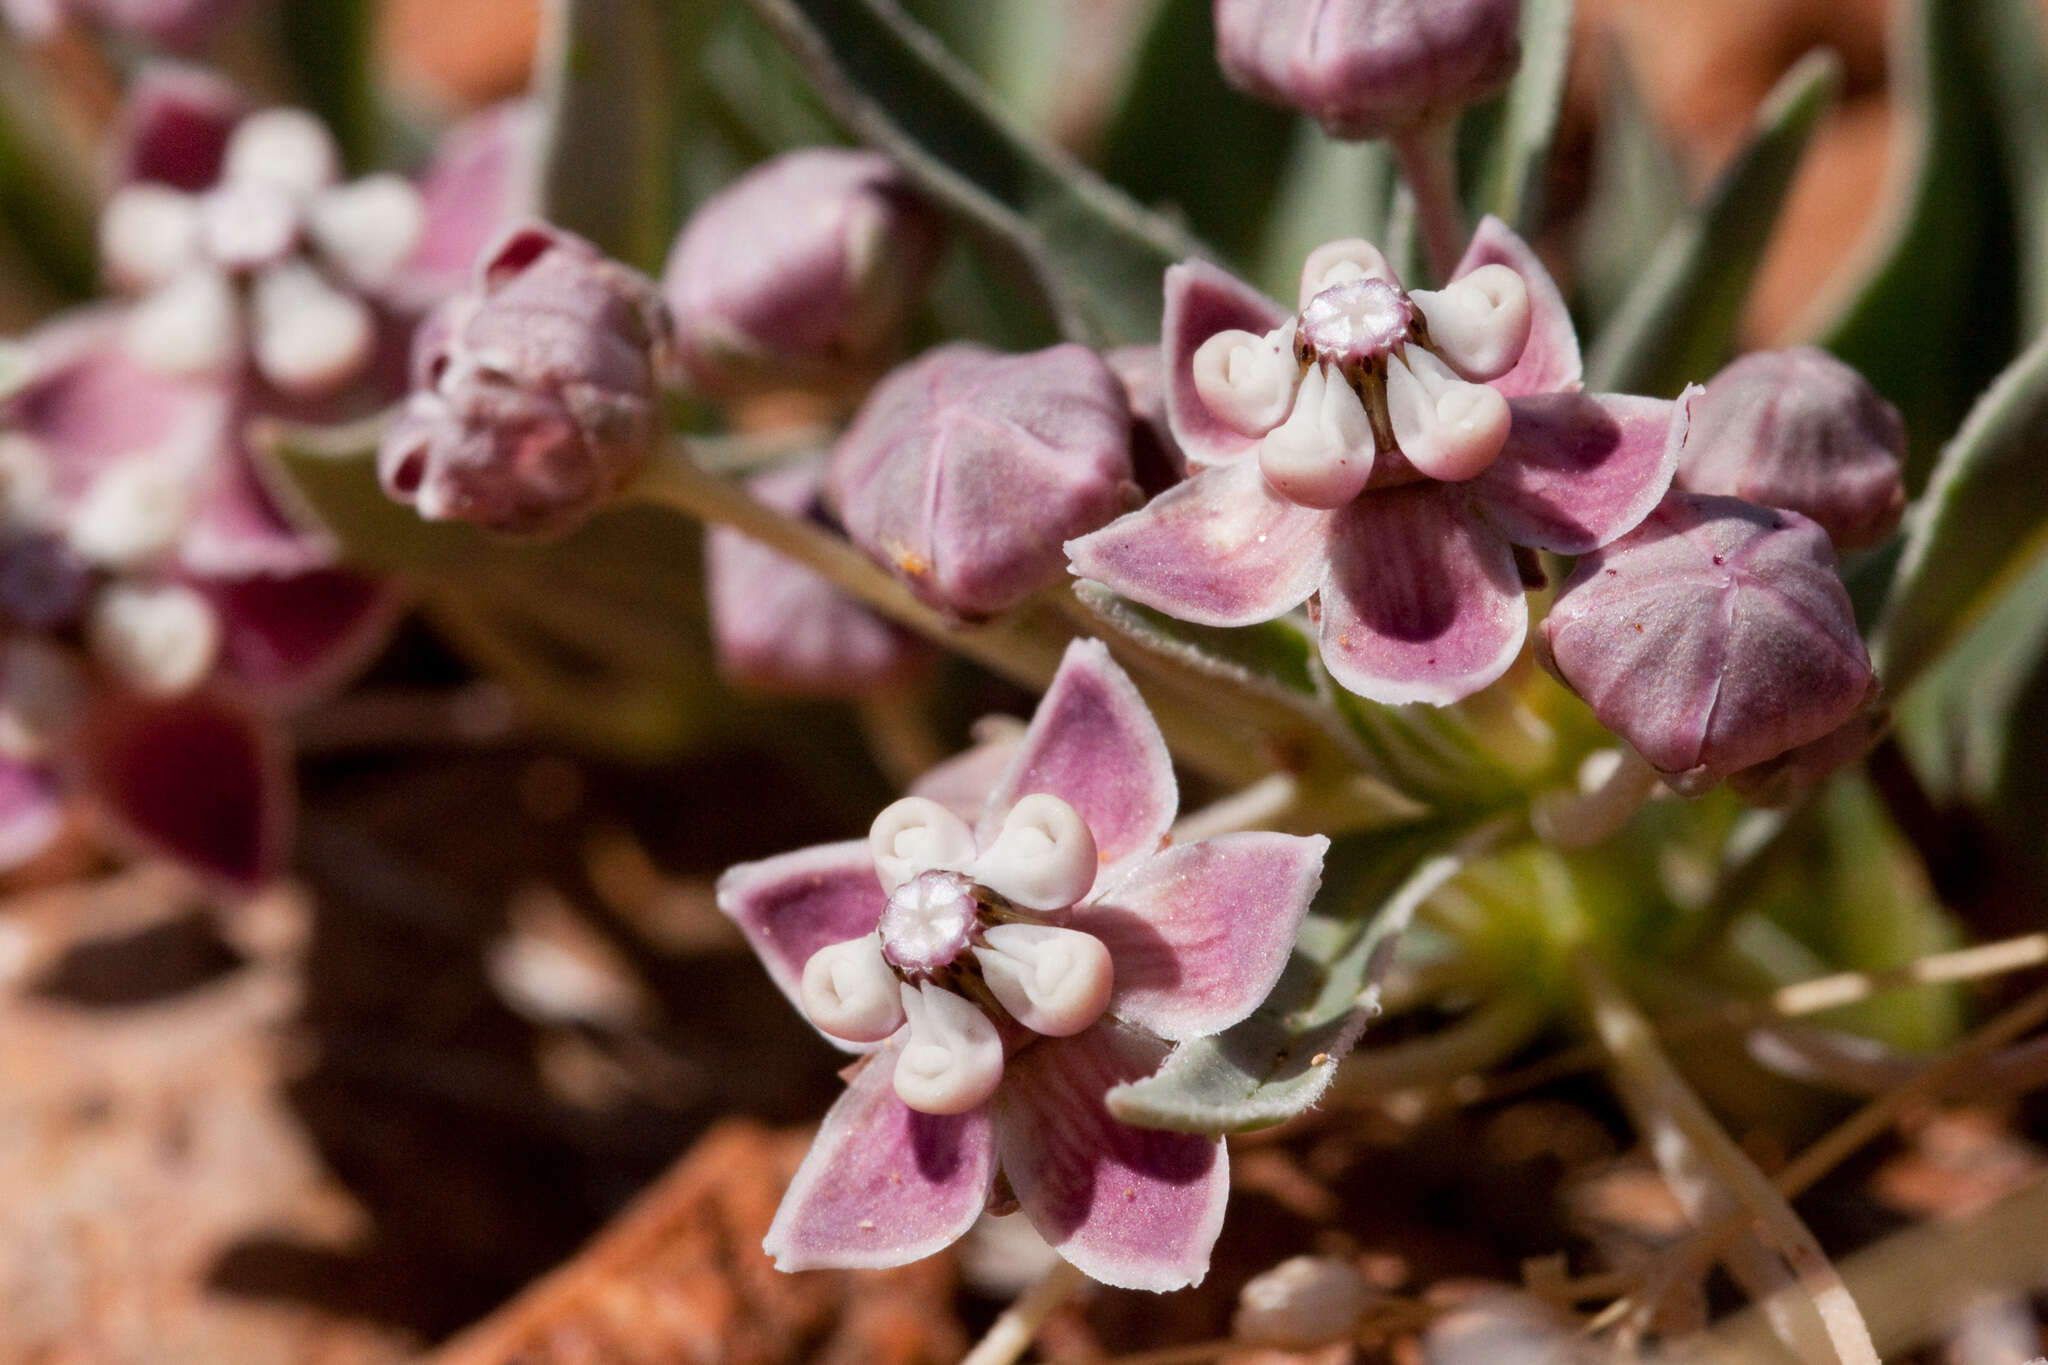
[[1004, 975], [1383, 452]]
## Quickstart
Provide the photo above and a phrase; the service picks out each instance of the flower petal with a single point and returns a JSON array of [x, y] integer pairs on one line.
[[1132, 1207], [174, 127], [1423, 602], [1093, 744], [794, 904], [1222, 549], [1580, 469], [1199, 934], [31, 812], [883, 1184], [1202, 300], [962, 783], [482, 179], [295, 637], [204, 779], [1550, 361]]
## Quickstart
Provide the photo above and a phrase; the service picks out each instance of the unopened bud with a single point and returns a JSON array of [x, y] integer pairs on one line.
[[801, 273], [539, 390], [1369, 68], [1302, 1303], [1801, 430]]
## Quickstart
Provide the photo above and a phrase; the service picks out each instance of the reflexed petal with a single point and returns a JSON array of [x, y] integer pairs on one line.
[[1222, 549], [237, 531], [1094, 745], [1550, 361], [292, 638], [1132, 1207], [1202, 300], [1580, 469], [204, 779], [31, 815], [962, 783], [1200, 932], [481, 180], [883, 1184], [792, 905], [174, 126], [1423, 602]]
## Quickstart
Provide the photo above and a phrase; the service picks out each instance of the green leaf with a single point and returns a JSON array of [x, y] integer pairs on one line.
[[1222, 180], [46, 186], [599, 635], [326, 46], [2013, 55], [1637, 195], [618, 80], [1327, 189], [1916, 324], [1518, 129], [1277, 1063], [1092, 256], [1981, 523], [1678, 324]]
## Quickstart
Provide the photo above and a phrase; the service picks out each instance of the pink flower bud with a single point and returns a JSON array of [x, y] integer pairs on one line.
[[801, 273], [965, 470], [1369, 68], [1801, 430], [1713, 637], [538, 392]]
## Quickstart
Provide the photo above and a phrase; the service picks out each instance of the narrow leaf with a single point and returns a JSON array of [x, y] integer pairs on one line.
[[1520, 127], [1678, 324]]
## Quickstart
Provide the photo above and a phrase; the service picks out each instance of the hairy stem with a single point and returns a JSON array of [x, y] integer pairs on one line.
[[1013, 1332], [1429, 163]]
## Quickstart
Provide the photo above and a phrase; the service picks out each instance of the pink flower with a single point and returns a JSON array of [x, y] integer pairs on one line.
[[1383, 452], [1003, 975]]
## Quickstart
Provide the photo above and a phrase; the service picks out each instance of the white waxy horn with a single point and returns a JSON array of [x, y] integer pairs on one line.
[[368, 227], [916, 835], [1341, 262], [287, 148], [134, 511], [247, 227], [1043, 858], [953, 1059], [1321, 456], [1448, 428], [1052, 981], [160, 641], [1248, 380], [1480, 321], [148, 234], [849, 992], [192, 325], [310, 336]]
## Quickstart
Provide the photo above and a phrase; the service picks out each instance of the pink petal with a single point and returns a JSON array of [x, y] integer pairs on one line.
[[31, 813], [1132, 1207], [204, 779], [1222, 549], [1199, 934], [294, 638], [1202, 300], [236, 529], [1093, 744], [482, 179], [962, 783], [1580, 469], [1423, 602], [794, 904], [883, 1184], [1551, 361], [174, 127]]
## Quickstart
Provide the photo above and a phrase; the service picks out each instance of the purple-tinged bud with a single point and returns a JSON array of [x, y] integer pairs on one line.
[[780, 626], [1778, 781], [1369, 68], [1801, 430], [538, 392], [966, 470], [800, 274], [1714, 637]]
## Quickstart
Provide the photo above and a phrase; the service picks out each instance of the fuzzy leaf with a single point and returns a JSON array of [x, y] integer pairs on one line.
[[599, 635], [1278, 1062], [1518, 129], [1981, 523], [1678, 324], [1093, 256]]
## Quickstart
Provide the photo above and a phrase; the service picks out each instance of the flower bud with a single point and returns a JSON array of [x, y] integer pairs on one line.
[[1302, 1303], [1713, 637], [965, 471], [539, 391], [801, 273], [1052, 981], [953, 1059], [1801, 430], [1369, 68], [1043, 858]]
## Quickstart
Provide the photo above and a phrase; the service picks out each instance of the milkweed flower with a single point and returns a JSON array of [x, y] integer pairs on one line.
[[965, 470], [1001, 968], [1716, 638], [1383, 452]]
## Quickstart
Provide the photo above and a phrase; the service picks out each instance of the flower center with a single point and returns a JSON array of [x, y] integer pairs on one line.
[[929, 921], [1356, 322]]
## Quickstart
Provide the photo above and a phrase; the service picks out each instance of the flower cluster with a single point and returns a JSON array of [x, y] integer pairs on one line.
[[1003, 965]]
